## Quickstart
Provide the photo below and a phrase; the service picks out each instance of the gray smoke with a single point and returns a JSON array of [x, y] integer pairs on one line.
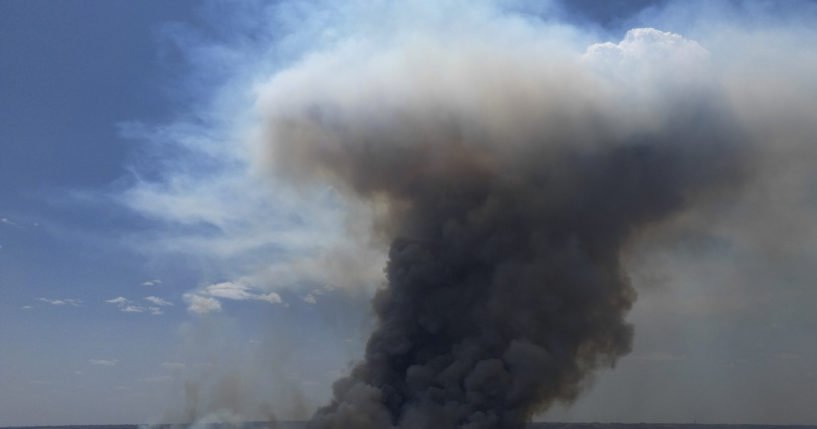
[[513, 177]]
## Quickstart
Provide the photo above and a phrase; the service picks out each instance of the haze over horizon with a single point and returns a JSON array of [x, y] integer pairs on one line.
[[200, 199]]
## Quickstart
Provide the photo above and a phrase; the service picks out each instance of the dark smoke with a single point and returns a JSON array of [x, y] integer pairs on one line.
[[509, 203]]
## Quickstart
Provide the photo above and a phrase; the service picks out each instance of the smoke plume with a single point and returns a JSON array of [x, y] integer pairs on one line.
[[510, 175], [507, 180]]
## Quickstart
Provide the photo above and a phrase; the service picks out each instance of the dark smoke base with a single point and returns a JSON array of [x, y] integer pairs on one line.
[[506, 290]]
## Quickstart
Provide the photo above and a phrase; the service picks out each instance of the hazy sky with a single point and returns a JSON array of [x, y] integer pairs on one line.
[[151, 270]]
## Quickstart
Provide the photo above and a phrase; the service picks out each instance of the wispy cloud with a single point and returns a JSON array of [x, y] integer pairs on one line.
[[103, 362], [218, 202], [26, 307], [154, 282], [132, 309], [158, 301], [127, 306], [62, 301], [204, 300], [239, 291]]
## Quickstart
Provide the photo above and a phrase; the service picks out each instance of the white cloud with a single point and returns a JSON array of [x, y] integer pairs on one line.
[[649, 56], [158, 301], [310, 299], [204, 300], [649, 44], [103, 362], [154, 282], [127, 306], [63, 301], [201, 304], [271, 297], [26, 307], [229, 290]]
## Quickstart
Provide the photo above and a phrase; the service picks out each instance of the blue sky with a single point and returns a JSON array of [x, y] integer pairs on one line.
[[143, 262]]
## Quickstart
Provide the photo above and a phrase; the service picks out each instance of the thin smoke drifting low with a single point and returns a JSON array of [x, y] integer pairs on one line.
[[513, 175]]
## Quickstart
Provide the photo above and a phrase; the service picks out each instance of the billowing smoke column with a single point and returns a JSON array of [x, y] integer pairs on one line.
[[509, 176]]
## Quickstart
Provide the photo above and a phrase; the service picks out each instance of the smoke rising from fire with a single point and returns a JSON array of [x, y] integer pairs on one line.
[[506, 165], [510, 172]]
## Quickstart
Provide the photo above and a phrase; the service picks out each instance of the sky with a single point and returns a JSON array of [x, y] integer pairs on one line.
[[152, 270]]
